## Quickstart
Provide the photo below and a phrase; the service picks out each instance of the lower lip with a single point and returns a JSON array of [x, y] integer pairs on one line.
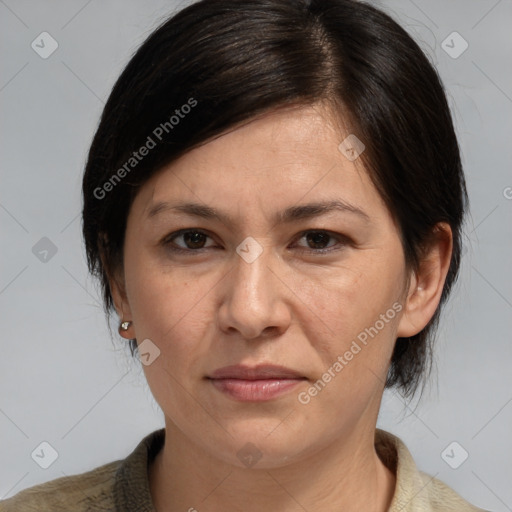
[[255, 390]]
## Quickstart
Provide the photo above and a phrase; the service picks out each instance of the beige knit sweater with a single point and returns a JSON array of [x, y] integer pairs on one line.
[[123, 485]]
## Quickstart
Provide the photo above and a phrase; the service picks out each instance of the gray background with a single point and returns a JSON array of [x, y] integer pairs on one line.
[[65, 382]]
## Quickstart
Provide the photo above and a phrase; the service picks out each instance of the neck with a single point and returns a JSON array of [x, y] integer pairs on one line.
[[346, 476]]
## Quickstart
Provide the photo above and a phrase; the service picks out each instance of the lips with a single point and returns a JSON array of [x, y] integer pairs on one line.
[[256, 384], [255, 373]]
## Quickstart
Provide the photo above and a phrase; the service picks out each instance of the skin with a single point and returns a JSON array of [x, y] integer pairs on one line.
[[291, 306]]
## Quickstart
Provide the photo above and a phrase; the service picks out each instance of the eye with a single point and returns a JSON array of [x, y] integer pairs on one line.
[[195, 240], [187, 240], [322, 241]]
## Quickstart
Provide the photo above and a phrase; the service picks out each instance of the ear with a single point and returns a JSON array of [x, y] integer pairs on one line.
[[426, 284], [118, 291]]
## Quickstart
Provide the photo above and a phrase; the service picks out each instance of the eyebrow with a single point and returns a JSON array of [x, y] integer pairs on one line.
[[291, 214]]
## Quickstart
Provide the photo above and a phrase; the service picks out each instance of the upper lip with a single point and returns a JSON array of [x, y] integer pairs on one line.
[[264, 371]]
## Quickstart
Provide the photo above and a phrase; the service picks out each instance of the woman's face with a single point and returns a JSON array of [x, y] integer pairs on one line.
[[266, 246]]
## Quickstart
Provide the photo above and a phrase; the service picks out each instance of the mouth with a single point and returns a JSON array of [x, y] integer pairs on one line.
[[255, 384]]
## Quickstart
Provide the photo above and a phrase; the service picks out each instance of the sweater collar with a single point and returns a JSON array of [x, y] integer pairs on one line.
[[132, 492]]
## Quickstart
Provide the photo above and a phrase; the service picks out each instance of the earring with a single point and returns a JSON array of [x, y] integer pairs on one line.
[[124, 326]]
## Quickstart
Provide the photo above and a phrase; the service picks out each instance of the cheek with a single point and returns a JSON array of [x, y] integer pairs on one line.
[[168, 305], [344, 302], [170, 309], [351, 329], [351, 323]]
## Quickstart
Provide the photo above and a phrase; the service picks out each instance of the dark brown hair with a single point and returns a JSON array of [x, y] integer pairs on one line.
[[231, 60]]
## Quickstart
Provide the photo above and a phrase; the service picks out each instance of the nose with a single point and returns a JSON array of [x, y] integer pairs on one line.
[[254, 300]]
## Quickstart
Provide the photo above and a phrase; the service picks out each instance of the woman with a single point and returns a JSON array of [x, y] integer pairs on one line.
[[273, 203]]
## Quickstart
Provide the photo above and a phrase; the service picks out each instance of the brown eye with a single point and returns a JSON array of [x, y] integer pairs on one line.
[[194, 239], [318, 239], [321, 242], [187, 240]]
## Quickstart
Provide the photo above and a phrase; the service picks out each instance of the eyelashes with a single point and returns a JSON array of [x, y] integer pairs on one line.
[[190, 236], [197, 241]]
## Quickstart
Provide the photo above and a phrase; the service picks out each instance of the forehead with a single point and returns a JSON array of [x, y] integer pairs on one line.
[[267, 163]]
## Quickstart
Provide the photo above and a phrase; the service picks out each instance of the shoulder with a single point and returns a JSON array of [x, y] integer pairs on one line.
[[119, 485], [415, 491], [84, 492], [444, 498]]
